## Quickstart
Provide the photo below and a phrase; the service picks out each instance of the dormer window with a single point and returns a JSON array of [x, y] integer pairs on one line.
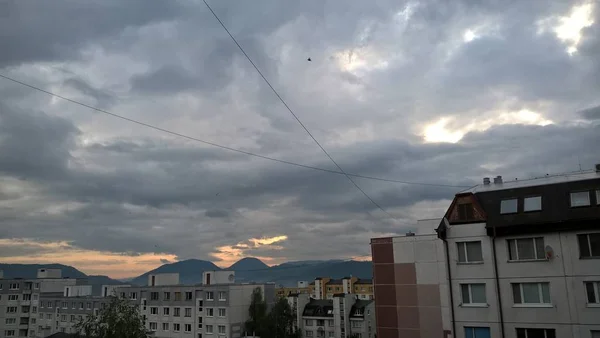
[[533, 203], [465, 211], [508, 206], [580, 199]]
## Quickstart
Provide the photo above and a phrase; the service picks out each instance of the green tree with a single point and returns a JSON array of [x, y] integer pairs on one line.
[[280, 321], [120, 319], [257, 312]]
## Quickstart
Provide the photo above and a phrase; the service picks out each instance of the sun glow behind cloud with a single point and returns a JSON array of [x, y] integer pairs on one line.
[[568, 28], [229, 254], [445, 129]]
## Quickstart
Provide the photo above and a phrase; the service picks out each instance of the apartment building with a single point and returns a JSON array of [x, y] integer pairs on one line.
[[216, 308], [301, 287], [59, 313], [411, 288], [524, 258], [342, 316], [20, 301]]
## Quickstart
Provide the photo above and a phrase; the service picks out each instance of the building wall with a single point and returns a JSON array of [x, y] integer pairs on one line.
[[411, 292]]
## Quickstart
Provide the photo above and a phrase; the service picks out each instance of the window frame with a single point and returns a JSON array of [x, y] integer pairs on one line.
[[224, 310], [176, 327], [596, 293], [470, 295], [154, 310], [589, 201], [589, 245], [187, 312], [534, 241], [224, 294], [463, 246], [210, 295], [166, 311], [540, 295], [165, 326], [532, 328], [209, 328], [187, 327], [532, 197], [211, 311], [219, 327], [516, 200]]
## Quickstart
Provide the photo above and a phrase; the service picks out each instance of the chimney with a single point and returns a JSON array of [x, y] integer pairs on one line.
[[498, 180], [486, 180]]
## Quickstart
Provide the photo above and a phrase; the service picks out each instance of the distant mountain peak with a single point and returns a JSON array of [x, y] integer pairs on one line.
[[248, 263]]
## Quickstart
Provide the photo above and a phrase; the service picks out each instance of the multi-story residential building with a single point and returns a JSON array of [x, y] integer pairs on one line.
[[326, 287], [301, 287], [216, 308], [524, 258], [411, 289], [342, 316], [20, 301]]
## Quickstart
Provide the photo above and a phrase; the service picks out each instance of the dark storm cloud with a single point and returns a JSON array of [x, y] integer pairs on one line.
[[102, 184]]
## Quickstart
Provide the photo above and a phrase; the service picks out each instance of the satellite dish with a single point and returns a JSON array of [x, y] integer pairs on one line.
[[231, 277], [549, 252]]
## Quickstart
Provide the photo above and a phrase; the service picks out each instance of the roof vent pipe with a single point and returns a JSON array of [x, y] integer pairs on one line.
[[498, 180], [486, 180]]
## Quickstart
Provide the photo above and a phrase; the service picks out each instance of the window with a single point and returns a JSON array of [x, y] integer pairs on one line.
[[11, 309], [35, 296], [41, 315], [473, 294], [580, 199], [63, 318], [532, 203], [309, 333], [88, 305], [153, 326], [72, 318], [356, 324], [222, 312], [595, 334], [477, 332], [209, 312], [209, 329], [598, 197], [508, 206], [188, 312], [188, 296], [187, 327], [81, 306], [27, 296], [153, 295], [331, 334], [222, 295], [49, 305], [523, 249], [10, 321], [65, 305], [592, 290], [330, 322], [9, 333], [34, 309], [153, 310], [465, 211], [178, 296], [589, 245], [531, 293], [133, 295], [221, 329], [166, 311], [49, 316], [35, 286], [13, 297], [165, 326], [74, 305], [176, 327], [320, 322], [166, 296], [176, 312], [309, 322], [536, 333], [209, 295], [469, 252], [13, 286]]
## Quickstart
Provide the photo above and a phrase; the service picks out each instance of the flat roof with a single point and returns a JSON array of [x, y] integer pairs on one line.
[[536, 181]]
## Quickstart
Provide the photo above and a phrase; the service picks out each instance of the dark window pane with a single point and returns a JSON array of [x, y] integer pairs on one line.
[[465, 293], [595, 244], [512, 250], [525, 248], [517, 293], [478, 293], [465, 211], [584, 247], [508, 206], [591, 297], [536, 333], [550, 333], [474, 252], [469, 332], [521, 333], [531, 293], [461, 252], [539, 248]]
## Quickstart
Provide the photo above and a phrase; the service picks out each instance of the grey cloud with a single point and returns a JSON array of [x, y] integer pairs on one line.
[[591, 113], [216, 213]]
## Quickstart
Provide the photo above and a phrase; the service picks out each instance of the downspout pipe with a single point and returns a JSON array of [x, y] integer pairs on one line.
[[450, 287], [500, 311]]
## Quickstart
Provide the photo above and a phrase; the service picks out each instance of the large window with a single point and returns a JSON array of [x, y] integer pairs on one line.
[[469, 252], [188, 295], [176, 311], [222, 312], [522, 249], [188, 312], [209, 329], [153, 326], [209, 312], [473, 294], [176, 327], [166, 311], [153, 310], [309, 322], [531, 293], [166, 296], [532, 203], [477, 332], [536, 333], [589, 245], [222, 329], [580, 199], [508, 206], [153, 295], [165, 326], [187, 327], [592, 290], [209, 295]]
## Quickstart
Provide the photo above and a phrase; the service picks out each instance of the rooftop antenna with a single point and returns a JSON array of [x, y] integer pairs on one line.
[[579, 161]]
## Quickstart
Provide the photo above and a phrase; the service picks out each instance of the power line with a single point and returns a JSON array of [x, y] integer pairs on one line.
[[147, 125], [292, 112]]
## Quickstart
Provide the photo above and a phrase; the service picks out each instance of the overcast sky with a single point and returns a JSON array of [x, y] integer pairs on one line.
[[443, 92]]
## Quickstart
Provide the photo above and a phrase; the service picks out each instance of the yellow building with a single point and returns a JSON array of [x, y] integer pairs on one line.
[[326, 288]]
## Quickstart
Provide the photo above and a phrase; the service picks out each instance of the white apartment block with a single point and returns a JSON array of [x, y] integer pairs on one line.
[[524, 258]]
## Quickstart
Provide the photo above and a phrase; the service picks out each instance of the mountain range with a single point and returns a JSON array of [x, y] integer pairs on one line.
[[190, 271]]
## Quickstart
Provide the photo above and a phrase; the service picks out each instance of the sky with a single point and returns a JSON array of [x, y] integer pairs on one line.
[[436, 92]]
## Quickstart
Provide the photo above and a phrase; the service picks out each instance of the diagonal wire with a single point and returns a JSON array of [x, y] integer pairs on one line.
[[222, 146], [292, 112]]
